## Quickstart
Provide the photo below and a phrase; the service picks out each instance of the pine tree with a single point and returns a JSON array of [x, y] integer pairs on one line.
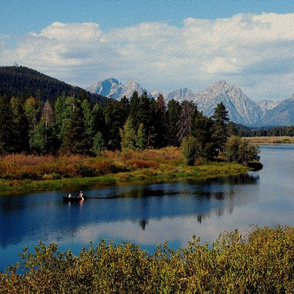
[[128, 136], [74, 136], [141, 138], [160, 124], [48, 119], [134, 102], [185, 123], [6, 122], [32, 112], [38, 138], [113, 122], [88, 122], [144, 114], [203, 131], [220, 117], [173, 116], [99, 124], [20, 137], [98, 143]]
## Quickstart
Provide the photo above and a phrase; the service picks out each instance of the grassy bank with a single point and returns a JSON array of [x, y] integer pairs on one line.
[[260, 261], [270, 140], [20, 173]]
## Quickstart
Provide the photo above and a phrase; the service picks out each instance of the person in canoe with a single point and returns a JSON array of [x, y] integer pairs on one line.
[[81, 195], [69, 195]]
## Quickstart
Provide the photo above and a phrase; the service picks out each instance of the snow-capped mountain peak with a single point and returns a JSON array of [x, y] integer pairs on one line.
[[241, 109], [112, 88]]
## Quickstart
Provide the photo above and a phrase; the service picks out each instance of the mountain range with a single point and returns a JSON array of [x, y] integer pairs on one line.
[[242, 110], [16, 80]]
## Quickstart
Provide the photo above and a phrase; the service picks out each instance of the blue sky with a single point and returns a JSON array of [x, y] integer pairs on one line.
[[162, 45]]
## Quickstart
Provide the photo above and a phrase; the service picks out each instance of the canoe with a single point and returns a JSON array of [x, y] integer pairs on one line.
[[73, 199]]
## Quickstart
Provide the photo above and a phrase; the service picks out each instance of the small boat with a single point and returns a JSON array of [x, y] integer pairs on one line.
[[73, 199]]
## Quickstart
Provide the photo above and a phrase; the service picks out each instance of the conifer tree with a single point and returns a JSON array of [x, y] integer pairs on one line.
[[159, 123], [20, 136], [48, 119], [6, 122], [38, 139], [134, 102], [144, 115], [173, 116], [88, 122], [98, 143], [99, 122], [32, 112], [113, 122], [141, 138], [128, 136], [74, 138], [186, 121], [221, 118], [203, 131]]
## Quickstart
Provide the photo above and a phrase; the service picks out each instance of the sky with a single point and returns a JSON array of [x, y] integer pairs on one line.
[[162, 45]]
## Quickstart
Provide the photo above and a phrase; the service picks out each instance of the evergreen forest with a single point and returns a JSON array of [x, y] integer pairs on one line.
[[75, 125], [40, 115]]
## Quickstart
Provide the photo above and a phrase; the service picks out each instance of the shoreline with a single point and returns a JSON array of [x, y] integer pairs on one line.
[[205, 171], [270, 140]]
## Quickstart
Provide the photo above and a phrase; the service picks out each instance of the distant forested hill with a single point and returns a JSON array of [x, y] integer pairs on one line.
[[19, 80]]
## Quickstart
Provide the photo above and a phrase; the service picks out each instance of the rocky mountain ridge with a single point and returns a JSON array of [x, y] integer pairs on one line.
[[241, 109]]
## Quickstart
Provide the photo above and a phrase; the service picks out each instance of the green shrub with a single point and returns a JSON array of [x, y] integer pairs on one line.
[[190, 150], [260, 261], [240, 151]]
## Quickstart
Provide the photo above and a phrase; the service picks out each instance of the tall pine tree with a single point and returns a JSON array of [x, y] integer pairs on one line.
[[6, 123], [75, 140], [173, 116], [220, 118]]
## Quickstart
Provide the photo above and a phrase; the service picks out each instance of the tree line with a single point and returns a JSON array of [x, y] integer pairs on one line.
[[76, 126], [265, 131]]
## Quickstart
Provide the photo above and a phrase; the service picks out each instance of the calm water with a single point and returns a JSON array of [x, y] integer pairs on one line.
[[153, 213]]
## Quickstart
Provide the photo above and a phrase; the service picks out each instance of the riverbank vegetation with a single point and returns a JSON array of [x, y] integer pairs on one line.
[[19, 172], [259, 261], [270, 140]]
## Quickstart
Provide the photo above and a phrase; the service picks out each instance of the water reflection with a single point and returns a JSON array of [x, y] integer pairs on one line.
[[44, 216], [153, 213]]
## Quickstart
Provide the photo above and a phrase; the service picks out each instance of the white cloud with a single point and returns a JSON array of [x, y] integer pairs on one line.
[[254, 52]]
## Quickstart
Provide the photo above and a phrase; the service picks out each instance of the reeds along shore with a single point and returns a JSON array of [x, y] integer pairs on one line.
[[52, 172]]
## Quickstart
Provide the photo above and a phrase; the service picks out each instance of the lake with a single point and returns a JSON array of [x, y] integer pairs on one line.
[[149, 214]]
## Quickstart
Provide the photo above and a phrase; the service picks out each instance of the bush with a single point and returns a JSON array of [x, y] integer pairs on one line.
[[190, 150], [261, 261], [240, 151]]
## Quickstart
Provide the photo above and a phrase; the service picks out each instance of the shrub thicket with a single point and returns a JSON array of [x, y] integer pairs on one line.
[[261, 261]]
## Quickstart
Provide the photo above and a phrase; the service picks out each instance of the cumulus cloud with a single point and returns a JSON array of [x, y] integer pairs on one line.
[[254, 52]]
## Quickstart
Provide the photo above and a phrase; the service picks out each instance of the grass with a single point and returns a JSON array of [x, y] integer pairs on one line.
[[19, 173], [270, 140]]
